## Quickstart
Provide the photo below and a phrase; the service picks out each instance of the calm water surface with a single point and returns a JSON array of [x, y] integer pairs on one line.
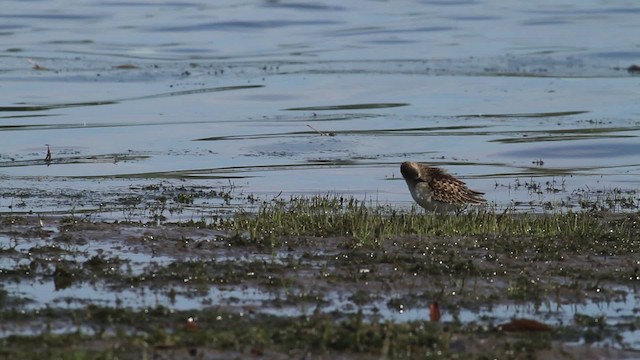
[[212, 93]]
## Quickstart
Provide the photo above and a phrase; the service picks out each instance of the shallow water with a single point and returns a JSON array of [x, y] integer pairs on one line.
[[145, 251], [131, 94]]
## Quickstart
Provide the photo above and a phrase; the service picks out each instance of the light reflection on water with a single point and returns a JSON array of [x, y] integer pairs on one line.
[[620, 311], [269, 153]]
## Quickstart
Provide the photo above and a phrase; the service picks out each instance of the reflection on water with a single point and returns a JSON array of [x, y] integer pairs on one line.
[[597, 150]]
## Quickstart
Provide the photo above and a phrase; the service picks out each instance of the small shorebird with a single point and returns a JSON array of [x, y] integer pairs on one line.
[[435, 190]]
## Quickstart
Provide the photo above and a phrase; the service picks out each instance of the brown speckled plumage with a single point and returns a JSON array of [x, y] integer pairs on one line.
[[436, 190]]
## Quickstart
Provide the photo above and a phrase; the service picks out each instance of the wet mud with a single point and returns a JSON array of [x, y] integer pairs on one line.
[[178, 290]]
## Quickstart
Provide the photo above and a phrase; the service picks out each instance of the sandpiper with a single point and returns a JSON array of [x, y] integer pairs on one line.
[[435, 190]]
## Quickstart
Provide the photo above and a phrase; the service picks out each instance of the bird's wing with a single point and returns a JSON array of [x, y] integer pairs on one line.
[[448, 189]]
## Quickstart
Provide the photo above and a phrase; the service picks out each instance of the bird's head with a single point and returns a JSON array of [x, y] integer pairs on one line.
[[410, 171]]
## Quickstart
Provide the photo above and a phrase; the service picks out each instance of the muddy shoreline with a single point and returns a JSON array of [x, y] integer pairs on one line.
[[218, 289]]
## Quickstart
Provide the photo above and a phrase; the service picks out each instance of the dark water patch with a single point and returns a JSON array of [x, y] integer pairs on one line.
[[302, 6], [194, 91], [403, 155], [427, 131], [26, 127], [533, 139], [71, 42], [390, 41], [449, 3], [588, 11], [313, 117], [111, 102], [61, 159], [155, 4], [598, 150], [526, 115], [257, 136], [22, 116], [567, 134], [526, 172], [546, 22], [454, 130], [474, 18], [614, 10], [432, 131], [61, 126], [545, 172], [188, 50], [53, 16], [83, 125], [236, 172], [536, 64], [245, 25], [348, 107], [617, 55], [177, 174], [56, 106], [532, 65], [383, 30], [10, 27], [592, 130]]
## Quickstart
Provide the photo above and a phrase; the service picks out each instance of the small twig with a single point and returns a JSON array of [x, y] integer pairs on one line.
[[36, 66], [320, 132], [47, 158]]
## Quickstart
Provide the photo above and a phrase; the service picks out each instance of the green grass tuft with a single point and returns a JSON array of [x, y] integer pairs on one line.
[[329, 216]]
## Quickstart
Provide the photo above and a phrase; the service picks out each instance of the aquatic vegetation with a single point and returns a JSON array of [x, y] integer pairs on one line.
[[160, 332], [322, 275], [333, 215]]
